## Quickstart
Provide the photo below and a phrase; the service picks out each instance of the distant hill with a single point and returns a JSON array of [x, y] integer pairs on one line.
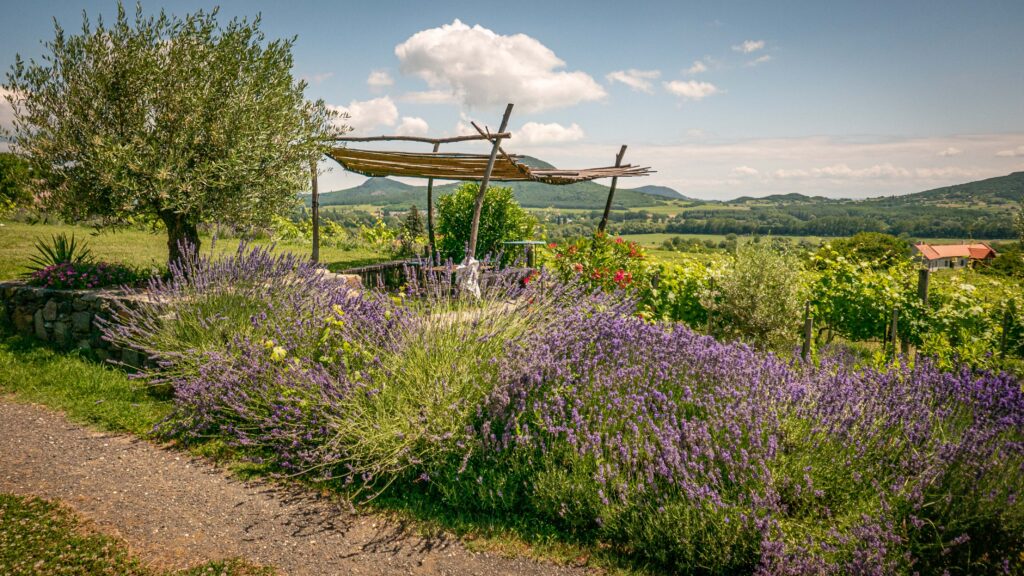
[[385, 192], [663, 191], [783, 199], [1001, 191]]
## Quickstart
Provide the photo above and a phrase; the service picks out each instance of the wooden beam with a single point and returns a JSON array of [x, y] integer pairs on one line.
[[501, 135], [315, 204], [611, 192], [479, 204], [430, 212]]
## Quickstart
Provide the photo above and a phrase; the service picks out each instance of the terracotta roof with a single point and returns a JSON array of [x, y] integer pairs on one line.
[[936, 251]]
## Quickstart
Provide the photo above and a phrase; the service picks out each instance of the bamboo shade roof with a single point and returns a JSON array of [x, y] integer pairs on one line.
[[458, 166]]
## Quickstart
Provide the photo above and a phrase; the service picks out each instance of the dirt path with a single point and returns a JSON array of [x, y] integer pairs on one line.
[[175, 511]]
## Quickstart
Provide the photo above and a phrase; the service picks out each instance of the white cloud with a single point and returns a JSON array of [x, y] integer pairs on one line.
[[536, 133], [317, 79], [749, 46], [759, 60], [379, 79], [483, 68], [950, 151], [463, 126], [1012, 153], [786, 174], [697, 67], [367, 115], [745, 171], [639, 80], [6, 111], [691, 90], [429, 97], [412, 126]]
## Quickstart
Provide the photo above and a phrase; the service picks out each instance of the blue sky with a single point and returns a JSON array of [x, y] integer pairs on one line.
[[845, 99]]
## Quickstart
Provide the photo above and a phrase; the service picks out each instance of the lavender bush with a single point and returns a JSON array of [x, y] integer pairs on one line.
[[546, 400]]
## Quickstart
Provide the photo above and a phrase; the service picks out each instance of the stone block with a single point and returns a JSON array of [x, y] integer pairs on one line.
[[40, 325], [61, 332], [79, 304], [50, 310], [81, 321], [23, 321], [130, 357]]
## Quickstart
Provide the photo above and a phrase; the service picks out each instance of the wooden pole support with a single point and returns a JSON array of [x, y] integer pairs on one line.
[[893, 330], [474, 226], [430, 211], [1003, 336], [611, 192], [805, 349], [315, 205], [922, 285]]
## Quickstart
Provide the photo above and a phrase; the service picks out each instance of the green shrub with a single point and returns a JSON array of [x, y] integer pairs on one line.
[[501, 220], [759, 298]]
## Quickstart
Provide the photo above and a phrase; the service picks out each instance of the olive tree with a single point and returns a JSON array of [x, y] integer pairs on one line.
[[176, 118], [14, 182]]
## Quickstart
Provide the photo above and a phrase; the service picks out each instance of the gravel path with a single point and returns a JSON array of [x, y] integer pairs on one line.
[[175, 511]]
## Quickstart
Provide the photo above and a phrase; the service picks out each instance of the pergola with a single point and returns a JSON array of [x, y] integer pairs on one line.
[[497, 166]]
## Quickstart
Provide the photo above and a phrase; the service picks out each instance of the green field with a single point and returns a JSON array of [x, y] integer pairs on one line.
[[138, 248], [656, 240]]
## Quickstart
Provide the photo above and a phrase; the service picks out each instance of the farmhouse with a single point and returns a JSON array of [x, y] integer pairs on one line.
[[939, 256]]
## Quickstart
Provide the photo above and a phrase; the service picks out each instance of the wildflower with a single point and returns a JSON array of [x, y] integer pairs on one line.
[[278, 354]]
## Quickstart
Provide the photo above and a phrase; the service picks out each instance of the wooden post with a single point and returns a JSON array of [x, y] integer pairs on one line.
[[315, 204], [893, 332], [922, 285], [805, 350], [611, 191], [479, 204], [1003, 336], [430, 211]]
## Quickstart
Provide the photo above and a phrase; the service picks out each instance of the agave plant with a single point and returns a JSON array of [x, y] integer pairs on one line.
[[61, 249]]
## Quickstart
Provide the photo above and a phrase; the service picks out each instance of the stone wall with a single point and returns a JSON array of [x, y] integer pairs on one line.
[[65, 319]]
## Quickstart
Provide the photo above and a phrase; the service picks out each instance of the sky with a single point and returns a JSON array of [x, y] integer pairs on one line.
[[722, 99]]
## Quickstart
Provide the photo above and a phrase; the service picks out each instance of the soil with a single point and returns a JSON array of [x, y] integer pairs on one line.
[[177, 511]]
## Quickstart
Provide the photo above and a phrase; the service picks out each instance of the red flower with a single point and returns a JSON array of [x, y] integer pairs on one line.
[[619, 240], [619, 275], [578, 267], [552, 245]]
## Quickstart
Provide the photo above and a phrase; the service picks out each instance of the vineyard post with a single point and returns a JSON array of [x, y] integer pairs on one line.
[[805, 350], [1006, 328], [315, 206], [922, 285], [893, 330]]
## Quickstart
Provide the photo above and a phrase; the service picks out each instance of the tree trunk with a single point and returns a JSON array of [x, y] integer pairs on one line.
[[181, 232]]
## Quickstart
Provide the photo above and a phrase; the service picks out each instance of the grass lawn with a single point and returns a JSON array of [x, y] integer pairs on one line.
[[87, 391], [140, 248], [43, 537]]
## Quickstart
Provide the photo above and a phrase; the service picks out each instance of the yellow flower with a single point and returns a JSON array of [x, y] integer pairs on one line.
[[278, 354], [268, 344]]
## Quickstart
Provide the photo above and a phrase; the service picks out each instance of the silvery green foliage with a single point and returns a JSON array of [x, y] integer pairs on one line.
[[181, 118]]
